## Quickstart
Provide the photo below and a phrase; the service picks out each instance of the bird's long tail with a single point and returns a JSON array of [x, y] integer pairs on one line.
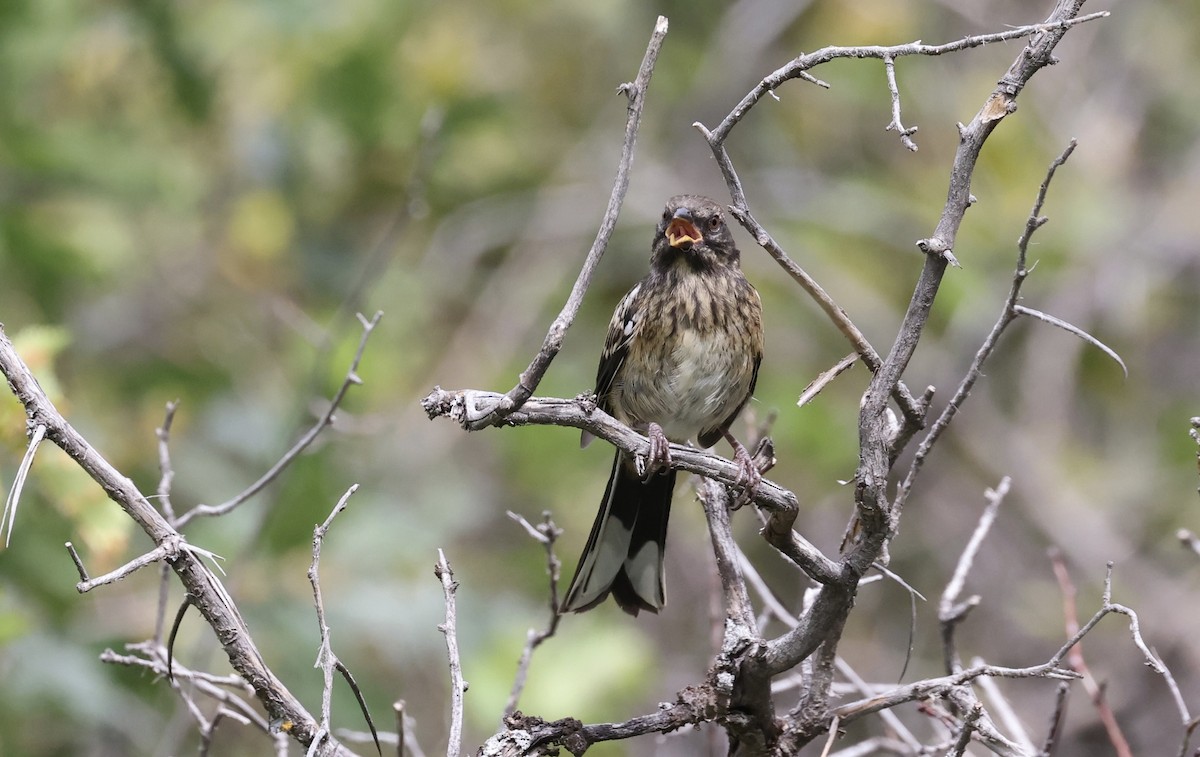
[[624, 552]]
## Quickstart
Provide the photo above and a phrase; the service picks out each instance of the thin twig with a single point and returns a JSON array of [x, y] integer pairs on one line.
[[825, 377], [532, 376], [999, 706], [1008, 313], [302, 444], [889, 67], [546, 533], [968, 727], [167, 473], [166, 551], [1057, 718], [1071, 328], [83, 573], [326, 659], [458, 686], [202, 584], [9, 517], [807, 61], [950, 611]]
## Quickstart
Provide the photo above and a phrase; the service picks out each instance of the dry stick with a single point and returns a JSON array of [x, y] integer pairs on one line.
[[305, 440], [798, 68], [875, 438], [457, 685], [546, 533], [1075, 659], [165, 481], [877, 442], [326, 659], [1007, 315], [999, 704], [201, 583], [532, 376], [889, 718], [8, 518], [751, 696], [212, 686], [824, 378], [950, 611], [968, 726], [889, 67], [1057, 718], [739, 612]]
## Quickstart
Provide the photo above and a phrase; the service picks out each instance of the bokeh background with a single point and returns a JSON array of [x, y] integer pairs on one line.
[[195, 199]]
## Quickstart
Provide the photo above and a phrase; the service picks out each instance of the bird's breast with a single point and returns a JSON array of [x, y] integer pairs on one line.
[[692, 364]]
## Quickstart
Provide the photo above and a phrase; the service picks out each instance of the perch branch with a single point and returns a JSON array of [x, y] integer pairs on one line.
[[464, 406]]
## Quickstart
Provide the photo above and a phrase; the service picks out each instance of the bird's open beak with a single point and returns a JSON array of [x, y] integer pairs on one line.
[[681, 232]]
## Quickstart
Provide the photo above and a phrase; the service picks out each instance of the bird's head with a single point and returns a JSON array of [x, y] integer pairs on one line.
[[693, 229]]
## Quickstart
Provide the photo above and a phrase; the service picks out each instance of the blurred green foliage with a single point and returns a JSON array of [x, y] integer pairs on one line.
[[195, 198]]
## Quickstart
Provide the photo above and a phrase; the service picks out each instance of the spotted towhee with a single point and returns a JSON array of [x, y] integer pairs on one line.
[[679, 363]]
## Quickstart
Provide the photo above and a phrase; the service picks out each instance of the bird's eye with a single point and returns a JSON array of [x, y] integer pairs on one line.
[[714, 223], [667, 214]]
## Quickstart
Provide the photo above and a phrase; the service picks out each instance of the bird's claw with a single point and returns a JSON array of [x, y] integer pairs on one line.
[[659, 456], [749, 476]]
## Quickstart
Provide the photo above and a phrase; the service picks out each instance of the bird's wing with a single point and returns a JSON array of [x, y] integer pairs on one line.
[[713, 435], [621, 330]]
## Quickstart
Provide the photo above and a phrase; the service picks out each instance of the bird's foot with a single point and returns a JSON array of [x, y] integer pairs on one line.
[[659, 457], [749, 476]]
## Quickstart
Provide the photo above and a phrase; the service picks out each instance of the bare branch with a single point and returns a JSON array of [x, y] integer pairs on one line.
[[203, 586], [876, 441], [167, 473], [824, 378], [327, 661], [738, 611], [807, 61], [465, 406], [968, 727], [532, 376], [1073, 329], [889, 66], [168, 550], [546, 533], [1057, 718], [458, 686], [9, 517], [950, 612], [1007, 314]]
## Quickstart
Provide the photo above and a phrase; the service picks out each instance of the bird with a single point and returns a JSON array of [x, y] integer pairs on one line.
[[679, 363]]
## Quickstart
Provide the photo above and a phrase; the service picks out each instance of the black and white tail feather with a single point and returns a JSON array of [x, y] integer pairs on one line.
[[624, 552]]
